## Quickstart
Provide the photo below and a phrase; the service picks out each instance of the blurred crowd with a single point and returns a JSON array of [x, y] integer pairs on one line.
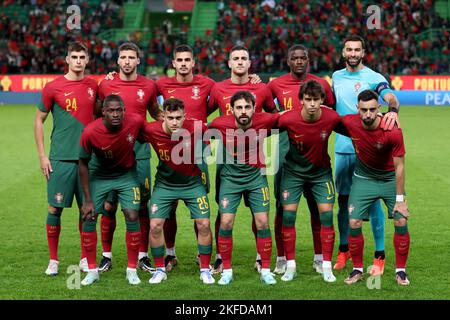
[[37, 42], [267, 27]]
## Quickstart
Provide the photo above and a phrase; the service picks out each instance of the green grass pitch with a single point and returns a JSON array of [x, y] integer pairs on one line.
[[24, 255]]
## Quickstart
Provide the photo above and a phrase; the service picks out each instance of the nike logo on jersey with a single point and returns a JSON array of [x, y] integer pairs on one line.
[[298, 135], [170, 91], [115, 93], [330, 197], [266, 203], [160, 144], [67, 94], [104, 148], [225, 98], [204, 212], [286, 92]]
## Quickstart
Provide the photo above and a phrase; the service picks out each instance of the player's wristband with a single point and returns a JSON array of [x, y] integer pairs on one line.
[[394, 110], [399, 198]]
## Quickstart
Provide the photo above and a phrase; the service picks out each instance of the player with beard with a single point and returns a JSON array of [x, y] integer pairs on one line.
[[194, 91], [347, 84], [139, 96], [242, 136], [379, 174], [239, 63]]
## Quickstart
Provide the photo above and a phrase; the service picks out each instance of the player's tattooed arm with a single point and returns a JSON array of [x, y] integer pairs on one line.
[[45, 163], [87, 210]]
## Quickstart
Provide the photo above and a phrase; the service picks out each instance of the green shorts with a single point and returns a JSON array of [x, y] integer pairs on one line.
[[201, 163], [144, 176], [195, 198], [126, 187], [292, 187], [64, 184], [218, 169], [205, 176], [365, 192], [256, 192]]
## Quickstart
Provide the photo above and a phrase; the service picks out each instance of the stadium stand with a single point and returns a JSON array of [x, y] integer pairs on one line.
[[31, 34], [413, 39]]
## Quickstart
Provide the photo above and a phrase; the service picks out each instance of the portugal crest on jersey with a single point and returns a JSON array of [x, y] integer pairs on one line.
[[323, 135], [90, 93], [357, 86], [195, 92], [224, 202], [350, 209], [59, 197], [379, 145], [141, 95], [130, 138], [154, 208], [286, 194]]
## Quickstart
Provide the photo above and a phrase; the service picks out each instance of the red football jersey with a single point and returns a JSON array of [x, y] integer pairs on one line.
[[114, 150], [232, 137], [74, 97], [137, 94], [194, 94], [222, 92], [174, 171], [285, 88], [309, 139], [375, 148], [72, 106]]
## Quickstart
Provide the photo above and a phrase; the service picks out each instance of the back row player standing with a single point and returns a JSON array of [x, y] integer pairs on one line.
[[194, 91], [286, 89], [139, 96], [71, 100], [347, 84], [220, 98]]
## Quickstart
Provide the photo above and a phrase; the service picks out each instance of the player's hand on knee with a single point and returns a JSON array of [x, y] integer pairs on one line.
[[402, 208], [87, 211], [389, 120]]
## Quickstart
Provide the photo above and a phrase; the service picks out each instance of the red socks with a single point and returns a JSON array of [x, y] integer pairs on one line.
[[226, 250], [327, 235], [144, 223], [264, 246], [279, 234], [356, 247], [401, 245], [89, 240], [53, 239], [289, 238], [107, 227], [133, 240]]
